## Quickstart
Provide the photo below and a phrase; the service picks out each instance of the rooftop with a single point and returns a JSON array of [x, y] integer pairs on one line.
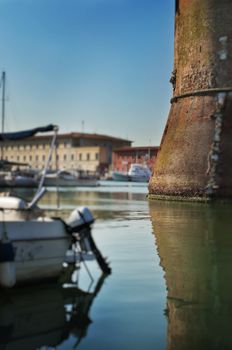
[[78, 135], [136, 148]]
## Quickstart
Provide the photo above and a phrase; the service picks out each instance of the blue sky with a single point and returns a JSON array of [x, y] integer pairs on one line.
[[88, 65]]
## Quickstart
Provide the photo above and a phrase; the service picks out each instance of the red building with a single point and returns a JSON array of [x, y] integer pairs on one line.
[[123, 157]]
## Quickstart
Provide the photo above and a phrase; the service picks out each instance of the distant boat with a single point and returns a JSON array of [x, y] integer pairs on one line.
[[120, 176], [8, 176], [137, 173], [26, 177], [65, 178]]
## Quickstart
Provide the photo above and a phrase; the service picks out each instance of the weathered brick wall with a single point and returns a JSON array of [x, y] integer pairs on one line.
[[203, 45], [195, 157]]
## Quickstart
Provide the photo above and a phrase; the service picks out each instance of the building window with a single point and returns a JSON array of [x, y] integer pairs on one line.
[[96, 156], [44, 157], [80, 156], [88, 156], [72, 156], [65, 157]]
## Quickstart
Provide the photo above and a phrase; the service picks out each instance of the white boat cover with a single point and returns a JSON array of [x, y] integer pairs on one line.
[[12, 203]]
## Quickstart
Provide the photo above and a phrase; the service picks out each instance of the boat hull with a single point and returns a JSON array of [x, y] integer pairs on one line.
[[139, 178], [39, 247], [19, 181], [136, 173], [61, 182], [117, 176]]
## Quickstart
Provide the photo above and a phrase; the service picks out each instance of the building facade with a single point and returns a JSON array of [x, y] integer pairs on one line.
[[80, 151], [125, 156]]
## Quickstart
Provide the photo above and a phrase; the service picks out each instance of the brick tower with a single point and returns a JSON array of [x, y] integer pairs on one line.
[[195, 158]]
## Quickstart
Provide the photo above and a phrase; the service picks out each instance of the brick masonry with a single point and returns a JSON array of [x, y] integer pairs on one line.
[[195, 158]]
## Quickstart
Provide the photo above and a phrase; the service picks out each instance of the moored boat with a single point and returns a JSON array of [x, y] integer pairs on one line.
[[19, 178], [120, 176], [136, 173], [33, 246], [10, 177], [139, 173], [65, 178]]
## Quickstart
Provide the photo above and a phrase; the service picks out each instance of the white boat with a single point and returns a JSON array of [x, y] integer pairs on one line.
[[139, 173], [65, 178], [34, 246], [136, 173]]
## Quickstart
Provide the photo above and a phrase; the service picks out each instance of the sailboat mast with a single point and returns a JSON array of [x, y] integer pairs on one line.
[[3, 100], [3, 106]]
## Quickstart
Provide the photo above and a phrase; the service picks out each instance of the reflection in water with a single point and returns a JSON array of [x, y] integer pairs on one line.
[[83, 195], [34, 317], [90, 197], [104, 206], [194, 243], [103, 201]]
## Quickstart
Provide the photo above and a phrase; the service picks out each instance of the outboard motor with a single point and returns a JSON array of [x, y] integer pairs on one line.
[[79, 225], [79, 219]]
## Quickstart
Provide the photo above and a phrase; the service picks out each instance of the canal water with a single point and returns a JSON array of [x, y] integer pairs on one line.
[[170, 287]]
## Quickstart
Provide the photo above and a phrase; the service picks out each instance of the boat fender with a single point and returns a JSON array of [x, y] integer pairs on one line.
[[79, 219], [7, 264]]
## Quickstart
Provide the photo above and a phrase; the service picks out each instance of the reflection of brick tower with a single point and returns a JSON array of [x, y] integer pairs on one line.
[[195, 159], [195, 254]]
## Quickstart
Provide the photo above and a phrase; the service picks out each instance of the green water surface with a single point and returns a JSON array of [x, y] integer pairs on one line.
[[170, 288]]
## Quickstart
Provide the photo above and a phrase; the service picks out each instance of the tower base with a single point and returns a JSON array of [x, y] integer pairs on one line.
[[195, 157]]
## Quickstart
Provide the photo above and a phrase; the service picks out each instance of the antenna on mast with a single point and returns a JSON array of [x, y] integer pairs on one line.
[[82, 126]]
